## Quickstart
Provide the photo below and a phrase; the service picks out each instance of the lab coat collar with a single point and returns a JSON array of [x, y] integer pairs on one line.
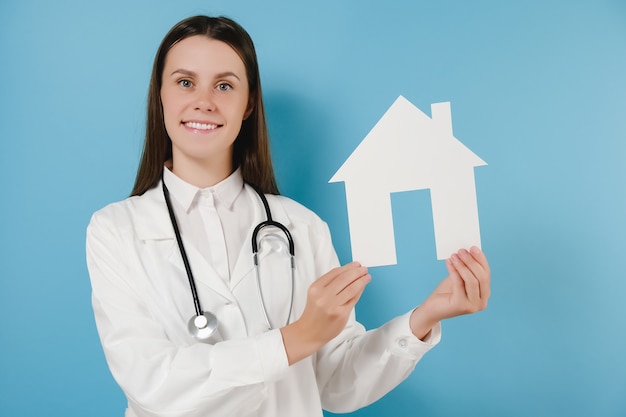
[[154, 223], [186, 194]]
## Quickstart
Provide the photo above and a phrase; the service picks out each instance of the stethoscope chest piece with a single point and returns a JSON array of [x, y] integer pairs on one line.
[[202, 327]]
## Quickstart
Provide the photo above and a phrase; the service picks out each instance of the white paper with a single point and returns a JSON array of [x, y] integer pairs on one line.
[[407, 150]]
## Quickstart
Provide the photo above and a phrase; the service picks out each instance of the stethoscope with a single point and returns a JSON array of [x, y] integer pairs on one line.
[[204, 324]]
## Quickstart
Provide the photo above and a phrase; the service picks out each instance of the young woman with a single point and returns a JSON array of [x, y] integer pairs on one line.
[[257, 337]]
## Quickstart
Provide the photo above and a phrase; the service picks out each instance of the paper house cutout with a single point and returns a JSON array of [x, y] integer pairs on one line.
[[407, 150]]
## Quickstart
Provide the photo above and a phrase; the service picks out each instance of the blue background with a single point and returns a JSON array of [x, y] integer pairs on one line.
[[537, 88]]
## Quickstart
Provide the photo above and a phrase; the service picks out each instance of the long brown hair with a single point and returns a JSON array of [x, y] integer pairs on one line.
[[251, 150]]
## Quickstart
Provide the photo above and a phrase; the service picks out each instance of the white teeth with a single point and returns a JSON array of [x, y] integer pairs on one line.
[[201, 126]]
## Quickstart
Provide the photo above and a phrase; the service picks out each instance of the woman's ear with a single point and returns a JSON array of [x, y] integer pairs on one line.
[[251, 104]]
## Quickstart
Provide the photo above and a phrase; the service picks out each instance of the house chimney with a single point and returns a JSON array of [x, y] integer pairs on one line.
[[442, 117]]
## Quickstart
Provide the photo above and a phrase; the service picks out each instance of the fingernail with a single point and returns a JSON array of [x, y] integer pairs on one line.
[[475, 250]]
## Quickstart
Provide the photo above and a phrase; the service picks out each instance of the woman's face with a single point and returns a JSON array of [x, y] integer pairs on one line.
[[205, 100]]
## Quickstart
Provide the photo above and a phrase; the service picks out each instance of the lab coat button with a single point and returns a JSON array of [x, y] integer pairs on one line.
[[403, 343]]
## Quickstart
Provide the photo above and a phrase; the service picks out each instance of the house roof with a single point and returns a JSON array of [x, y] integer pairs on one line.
[[406, 149]]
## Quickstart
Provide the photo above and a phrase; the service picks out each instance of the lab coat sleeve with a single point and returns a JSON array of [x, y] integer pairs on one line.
[[159, 378], [357, 367]]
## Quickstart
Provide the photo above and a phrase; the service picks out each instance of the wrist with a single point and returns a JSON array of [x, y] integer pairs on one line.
[[298, 342], [421, 324]]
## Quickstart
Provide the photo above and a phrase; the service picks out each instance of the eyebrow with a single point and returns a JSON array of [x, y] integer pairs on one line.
[[193, 74]]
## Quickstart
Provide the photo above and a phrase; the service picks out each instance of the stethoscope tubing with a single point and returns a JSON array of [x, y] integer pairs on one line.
[[203, 333], [183, 253], [269, 222]]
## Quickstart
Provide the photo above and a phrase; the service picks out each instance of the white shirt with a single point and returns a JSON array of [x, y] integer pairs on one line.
[[235, 213], [142, 303]]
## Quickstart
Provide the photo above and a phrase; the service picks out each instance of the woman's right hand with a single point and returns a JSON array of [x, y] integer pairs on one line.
[[329, 303]]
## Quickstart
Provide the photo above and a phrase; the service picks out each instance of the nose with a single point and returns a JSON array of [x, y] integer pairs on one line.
[[205, 100]]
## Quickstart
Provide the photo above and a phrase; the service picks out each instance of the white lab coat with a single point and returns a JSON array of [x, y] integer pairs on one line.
[[142, 303]]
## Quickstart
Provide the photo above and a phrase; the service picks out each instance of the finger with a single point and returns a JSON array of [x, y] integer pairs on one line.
[[456, 282], [472, 285], [353, 291], [480, 257], [345, 278], [471, 263], [477, 263], [331, 275]]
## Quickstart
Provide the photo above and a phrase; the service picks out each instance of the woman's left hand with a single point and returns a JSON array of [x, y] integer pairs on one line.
[[466, 290]]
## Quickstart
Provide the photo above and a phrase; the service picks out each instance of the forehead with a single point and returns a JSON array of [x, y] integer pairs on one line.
[[203, 55]]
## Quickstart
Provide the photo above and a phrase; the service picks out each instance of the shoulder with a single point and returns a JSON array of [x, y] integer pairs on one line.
[[299, 219], [296, 211], [126, 213], [311, 235]]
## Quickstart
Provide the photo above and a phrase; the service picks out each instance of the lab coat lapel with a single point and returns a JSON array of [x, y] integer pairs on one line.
[[155, 224], [203, 273], [245, 262]]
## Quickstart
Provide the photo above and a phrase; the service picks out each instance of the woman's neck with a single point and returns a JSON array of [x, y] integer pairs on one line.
[[202, 175]]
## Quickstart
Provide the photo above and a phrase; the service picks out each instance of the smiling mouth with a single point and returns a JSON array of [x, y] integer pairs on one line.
[[201, 126]]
